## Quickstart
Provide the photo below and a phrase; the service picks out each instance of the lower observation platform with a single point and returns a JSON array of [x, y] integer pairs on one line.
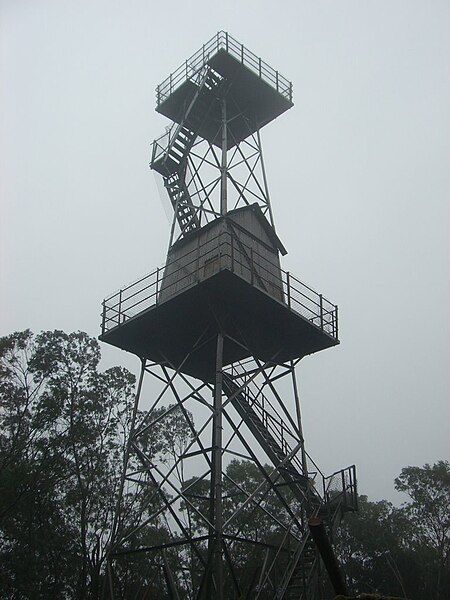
[[180, 330]]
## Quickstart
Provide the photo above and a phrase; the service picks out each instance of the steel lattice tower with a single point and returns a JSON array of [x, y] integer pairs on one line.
[[220, 330]]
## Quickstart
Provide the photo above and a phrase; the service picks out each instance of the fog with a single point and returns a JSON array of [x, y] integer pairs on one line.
[[358, 172]]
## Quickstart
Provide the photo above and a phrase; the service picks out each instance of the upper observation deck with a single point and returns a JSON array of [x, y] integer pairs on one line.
[[255, 92]]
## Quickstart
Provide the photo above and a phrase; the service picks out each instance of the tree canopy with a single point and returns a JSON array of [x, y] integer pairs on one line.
[[64, 426]]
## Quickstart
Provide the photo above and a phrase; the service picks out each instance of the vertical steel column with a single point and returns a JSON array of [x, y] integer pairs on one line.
[[263, 169], [299, 419], [223, 166], [216, 474]]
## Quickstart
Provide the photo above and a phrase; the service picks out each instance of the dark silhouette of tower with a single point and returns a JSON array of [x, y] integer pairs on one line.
[[219, 330]]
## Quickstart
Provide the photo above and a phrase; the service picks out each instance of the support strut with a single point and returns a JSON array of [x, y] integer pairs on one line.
[[322, 541]]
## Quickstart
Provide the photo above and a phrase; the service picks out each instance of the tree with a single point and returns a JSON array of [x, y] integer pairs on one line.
[[64, 427], [428, 512], [402, 551], [369, 548]]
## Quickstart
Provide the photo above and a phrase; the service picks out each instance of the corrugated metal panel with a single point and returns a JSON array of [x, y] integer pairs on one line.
[[246, 249], [248, 220]]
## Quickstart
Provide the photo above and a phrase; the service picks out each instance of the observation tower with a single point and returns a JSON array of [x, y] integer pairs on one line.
[[220, 330]]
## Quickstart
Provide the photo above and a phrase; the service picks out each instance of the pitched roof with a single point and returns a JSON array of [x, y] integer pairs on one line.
[[256, 209]]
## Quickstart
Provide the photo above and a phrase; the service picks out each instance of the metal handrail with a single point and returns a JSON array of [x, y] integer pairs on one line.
[[274, 424], [252, 266], [223, 41], [345, 492]]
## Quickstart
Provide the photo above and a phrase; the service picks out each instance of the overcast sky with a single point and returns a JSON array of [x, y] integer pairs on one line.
[[358, 171]]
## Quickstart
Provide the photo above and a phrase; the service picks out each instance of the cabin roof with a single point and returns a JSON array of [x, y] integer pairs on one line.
[[256, 209]]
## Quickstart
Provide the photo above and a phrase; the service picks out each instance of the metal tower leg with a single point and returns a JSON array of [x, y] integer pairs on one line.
[[223, 166], [216, 475]]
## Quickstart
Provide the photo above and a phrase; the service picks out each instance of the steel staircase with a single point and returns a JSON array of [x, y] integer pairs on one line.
[[273, 442], [299, 574], [271, 439], [170, 151]]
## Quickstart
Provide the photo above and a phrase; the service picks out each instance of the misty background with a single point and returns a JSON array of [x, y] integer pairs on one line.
[[358, 172]]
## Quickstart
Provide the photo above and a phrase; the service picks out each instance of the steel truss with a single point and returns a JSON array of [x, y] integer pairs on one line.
[[206, 178], [231, 539], [245, 172]]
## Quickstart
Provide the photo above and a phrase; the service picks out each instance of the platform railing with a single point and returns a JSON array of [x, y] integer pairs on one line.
[[341, 488], [205, 260], [223, 41], [162, 143]]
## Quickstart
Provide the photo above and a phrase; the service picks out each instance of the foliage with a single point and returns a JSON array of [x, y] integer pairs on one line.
[[64, 426], [402, 551]]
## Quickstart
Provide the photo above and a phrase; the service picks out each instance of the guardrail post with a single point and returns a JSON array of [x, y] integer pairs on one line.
[[157, 285], [242, 53], [170, 83], [103, 316], [120, 307], [288, 284], [276, 78], [344, 489], [226, 41], [336, 322], [290, 91], [259, 66], [321, 311]]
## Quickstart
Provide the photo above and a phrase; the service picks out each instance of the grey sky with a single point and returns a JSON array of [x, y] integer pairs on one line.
[[358, 171]]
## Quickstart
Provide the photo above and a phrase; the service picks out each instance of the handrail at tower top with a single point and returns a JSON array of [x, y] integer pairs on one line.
[[223, 41]]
